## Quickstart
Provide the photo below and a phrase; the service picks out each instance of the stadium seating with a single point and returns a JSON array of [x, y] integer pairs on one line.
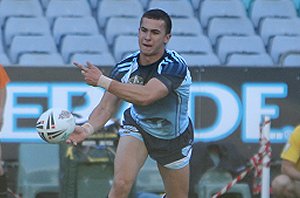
[[271, 27], [1, 43], [36, 59], [120, 26], [102, 59], [77, 26], [256, 60], [194, 60], [119, 20], [28, 8], [182, 27], [116, 8], [227, 45], [121, 47], [82, 44], [26, 44], [297, 5], [144, 3], [195, 4], [94, 4], [247, 4], [4, 60], [178, 8], [66, 8], [261, 9], [190, 44], [221, 8], [280, 45], [290, 59], [219, 27], [26, 26], [44, 4]]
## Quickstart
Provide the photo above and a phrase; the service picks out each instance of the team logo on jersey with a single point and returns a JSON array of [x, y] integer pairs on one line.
[[136, 80]]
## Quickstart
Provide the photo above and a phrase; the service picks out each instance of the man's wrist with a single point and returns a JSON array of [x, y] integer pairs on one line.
[[89, 128], [104, 82]]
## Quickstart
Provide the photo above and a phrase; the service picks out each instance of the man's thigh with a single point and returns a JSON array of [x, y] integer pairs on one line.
[[130, 156], [176, 181]]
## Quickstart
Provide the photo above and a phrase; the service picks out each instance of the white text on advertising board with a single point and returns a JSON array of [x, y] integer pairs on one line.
[[233, 111]]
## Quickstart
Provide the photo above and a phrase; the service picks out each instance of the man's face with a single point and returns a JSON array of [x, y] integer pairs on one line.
[[152, 37]]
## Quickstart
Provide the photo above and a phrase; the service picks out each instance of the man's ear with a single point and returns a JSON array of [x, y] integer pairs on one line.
[[167, 38]]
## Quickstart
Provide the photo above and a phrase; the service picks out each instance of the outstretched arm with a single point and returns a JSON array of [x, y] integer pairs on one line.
[[104, 110], [99, 116]]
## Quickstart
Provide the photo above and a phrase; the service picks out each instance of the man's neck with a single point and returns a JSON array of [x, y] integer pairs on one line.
[[145, 60]]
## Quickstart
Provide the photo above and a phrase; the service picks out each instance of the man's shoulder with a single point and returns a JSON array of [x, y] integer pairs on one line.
[[129, 58], [174, 56], [174, 64], [126, 63], [123, 67]]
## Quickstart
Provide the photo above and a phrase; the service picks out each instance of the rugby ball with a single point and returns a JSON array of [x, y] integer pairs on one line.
[[55, 125]]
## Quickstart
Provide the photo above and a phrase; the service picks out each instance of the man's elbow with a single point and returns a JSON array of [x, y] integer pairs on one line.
[[144, 101]]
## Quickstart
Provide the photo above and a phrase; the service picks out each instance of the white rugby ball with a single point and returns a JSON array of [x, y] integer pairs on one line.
[[55, 125]]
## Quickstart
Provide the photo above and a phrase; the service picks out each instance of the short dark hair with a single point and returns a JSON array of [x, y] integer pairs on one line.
[[159, 14]]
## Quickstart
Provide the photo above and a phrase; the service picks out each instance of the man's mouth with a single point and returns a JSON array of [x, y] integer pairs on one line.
[[146, 45]]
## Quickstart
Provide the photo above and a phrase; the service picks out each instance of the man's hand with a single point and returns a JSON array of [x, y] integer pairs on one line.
[[91, 73], [79, 134]]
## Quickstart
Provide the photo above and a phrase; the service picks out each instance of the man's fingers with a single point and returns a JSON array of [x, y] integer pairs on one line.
[[81, 67], [89, 65], [74, 143], [78, 65], [69, 141]]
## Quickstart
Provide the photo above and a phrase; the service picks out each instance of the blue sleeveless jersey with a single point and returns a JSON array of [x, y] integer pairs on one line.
[[168, 117]]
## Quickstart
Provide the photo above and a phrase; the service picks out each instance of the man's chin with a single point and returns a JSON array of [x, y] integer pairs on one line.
[[147, 52]]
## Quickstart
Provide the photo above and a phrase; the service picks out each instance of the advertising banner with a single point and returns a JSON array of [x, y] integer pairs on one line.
[[226, 104]]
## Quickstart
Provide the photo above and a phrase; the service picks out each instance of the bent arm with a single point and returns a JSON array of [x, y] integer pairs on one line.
[[139, 94], [133, 93], [289, 168]]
